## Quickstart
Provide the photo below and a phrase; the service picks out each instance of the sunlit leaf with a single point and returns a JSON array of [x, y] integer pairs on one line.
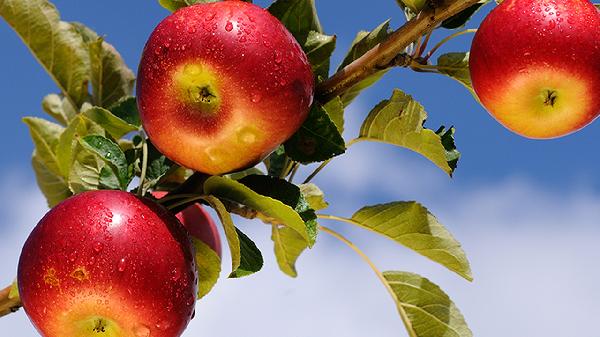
[[289, 245], [299, 16], [208, 264], [114, 125], [456, 66], [59, 108], [111, 153], [314, 196], [318, 48]]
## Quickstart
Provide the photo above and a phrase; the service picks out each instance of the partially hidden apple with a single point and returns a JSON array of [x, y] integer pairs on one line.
[[108, 264], [535, 65], [221, 85], [198, 223]]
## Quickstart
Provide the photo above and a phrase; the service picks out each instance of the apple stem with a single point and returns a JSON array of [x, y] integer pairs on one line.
[[382, 55], [141, 190]]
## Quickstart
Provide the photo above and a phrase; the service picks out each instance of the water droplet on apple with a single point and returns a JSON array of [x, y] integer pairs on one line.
[[175, 274], [98, 246], [140, 330], [122, 264], [256, 97], [278, 58], [229, 26], [191, 29], [242, 39], [163, 325], [551, 24]]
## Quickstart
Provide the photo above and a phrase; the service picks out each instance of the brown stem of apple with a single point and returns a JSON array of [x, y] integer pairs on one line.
[[8, 304], [382, 55]]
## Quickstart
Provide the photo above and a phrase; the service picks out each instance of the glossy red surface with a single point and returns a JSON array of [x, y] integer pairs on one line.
[[264, 80], [520, 40], [112, 255]]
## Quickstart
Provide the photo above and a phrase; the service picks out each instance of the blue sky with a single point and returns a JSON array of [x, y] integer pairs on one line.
[[526, 211]]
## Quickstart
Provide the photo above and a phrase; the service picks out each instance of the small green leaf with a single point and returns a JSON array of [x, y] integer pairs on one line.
[[230, 231], [456, 66], [56, 44], [399, 121], [85, 171], [314, 196], [45, 136], [53, 186], [208, 264], [299, 16], [412, 225], [126, 109], [364, 42], [110, 152], [318, 48], [59, 108], [452, 154], [318, 139], [158, 166], [288, 247], [415, 6], [114, 125], [277, 162], [430, 312], [463, 17], [111, 78], [251, 258], [268, 208], [335, 110]]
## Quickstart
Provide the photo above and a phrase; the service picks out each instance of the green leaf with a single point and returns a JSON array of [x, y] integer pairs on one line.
[[277, 162], [45, 136], [126, 109], [318, 139], [208, 264], [299, 16], [111, 78], [463, 17], [452, 154], [268, 208], [399, 121], [288, 247], [110, 152], [59, 108], [412, 225], [430, 312], [114, 125], [415, 6], [85, 171], [456, 66], [318, 48], [335, 110], [57, 45], [14, 291], [52, 185], [158, 166], [251, 258], [364, 42], [231, 234], [314, 196], [597, 6]]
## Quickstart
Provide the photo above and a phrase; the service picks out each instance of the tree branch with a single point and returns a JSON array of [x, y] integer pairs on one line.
[[8, 304], [382, 56]]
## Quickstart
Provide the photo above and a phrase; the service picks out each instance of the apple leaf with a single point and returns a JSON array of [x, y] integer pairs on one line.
[[277, 162], [597, 6], [288, 247], [208, 264], [158, 166], [268, 208], [314, 196], [318, 48], [429, 311], [299, 17], [114, 125], [456, 66], [452, 154], [45, 136], [412, 225], [53, 186], [84, 174], [111, 78], [110, 152], [463, 17], [126, 109], [59, 108], [363, 42], [251, 258], [399, 121], [318, 139], [335, 110], [415, 6], [56, 44]]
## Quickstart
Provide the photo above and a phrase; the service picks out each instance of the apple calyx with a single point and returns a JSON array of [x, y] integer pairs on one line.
[[198, 87], [98, 326], [550, 97]]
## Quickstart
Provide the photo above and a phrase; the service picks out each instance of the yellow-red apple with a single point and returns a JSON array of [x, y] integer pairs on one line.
[[535, 65], [221, 85]]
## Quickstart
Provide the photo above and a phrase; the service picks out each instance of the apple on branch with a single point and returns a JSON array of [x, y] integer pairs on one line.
[[535, 65], [110, 264], [221, 85]]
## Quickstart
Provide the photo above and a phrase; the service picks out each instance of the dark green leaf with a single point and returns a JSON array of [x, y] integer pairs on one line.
[[208, 264], [158, 166], [463, 17], [452, 154], [415, 6], [110, 152], [126, 109], [57, 45], [399, 121], [277, 162], [299, 16], [335, 110], [318, 139], [318, 48], [231, 233], [251, 258], [412, 225], [430, 312]]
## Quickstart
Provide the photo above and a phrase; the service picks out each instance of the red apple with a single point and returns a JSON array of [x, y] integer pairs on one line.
[[110, 264], [221, 85], [198, 223], [535, 65]]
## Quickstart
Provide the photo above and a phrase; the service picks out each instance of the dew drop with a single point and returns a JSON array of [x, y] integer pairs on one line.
[[191, 29], [163, 325], [277, 57], [256, 97], [122, 264], [175, 274], [229, 26], [98, 246]]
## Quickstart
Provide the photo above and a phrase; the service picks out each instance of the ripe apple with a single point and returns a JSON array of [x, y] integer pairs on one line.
[[198, 223], [535, 65], [221, 85], [110, 264]]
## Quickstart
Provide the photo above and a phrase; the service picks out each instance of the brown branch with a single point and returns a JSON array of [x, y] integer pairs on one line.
[[382, 55], [7, 304]]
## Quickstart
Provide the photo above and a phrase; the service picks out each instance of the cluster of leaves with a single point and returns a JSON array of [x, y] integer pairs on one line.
[[96, 142]]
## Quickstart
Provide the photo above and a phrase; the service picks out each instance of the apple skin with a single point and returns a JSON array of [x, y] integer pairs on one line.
[[198, 223], [535, 65], [221, 85], [108, 260]]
